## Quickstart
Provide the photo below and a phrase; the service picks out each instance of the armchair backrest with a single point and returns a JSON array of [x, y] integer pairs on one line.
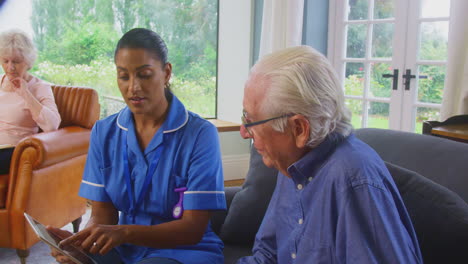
[[78, 106]]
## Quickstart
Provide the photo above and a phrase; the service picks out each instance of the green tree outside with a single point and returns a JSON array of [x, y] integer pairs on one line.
[[76, 41]]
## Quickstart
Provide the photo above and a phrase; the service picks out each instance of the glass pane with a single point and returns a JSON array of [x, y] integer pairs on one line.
[[383, 9], [424, 114], [76, 39], [434, 40], [378, 115], [357, 9], [380, 86], [431, 83], [354, 78], [355, 106], [435, 8], [382, 37], [356, 41], [110, 105]]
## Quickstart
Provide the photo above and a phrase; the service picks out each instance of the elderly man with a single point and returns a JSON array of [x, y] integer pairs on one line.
[[335, 201]]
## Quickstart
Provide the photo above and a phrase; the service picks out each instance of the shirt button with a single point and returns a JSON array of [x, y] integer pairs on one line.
[[310, 178], [301, 221], [299, 186], [293, 255]]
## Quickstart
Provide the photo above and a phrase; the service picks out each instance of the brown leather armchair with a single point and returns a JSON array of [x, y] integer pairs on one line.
[[46, 171]]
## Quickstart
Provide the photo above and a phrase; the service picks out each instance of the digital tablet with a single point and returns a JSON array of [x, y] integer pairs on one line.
[[74, 253]]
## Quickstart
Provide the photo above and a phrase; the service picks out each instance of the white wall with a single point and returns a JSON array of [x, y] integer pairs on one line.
[[234, 57]]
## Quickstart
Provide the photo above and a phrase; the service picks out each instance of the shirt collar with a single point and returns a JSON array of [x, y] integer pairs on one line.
[[177, 117], [313, 160]]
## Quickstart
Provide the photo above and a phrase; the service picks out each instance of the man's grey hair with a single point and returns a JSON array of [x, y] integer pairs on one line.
[[302, 81], [15, 40]]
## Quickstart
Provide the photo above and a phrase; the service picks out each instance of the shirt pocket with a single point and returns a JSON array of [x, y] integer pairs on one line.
[[115, 187]]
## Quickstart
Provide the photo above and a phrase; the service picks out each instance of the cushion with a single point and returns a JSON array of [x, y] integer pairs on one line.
[[441, 160], [249, 205], [439, 216]]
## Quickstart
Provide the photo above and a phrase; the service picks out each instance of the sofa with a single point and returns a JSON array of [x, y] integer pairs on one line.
[[431, 174]]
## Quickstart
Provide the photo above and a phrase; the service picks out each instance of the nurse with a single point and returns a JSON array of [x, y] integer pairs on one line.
[[153, 172]]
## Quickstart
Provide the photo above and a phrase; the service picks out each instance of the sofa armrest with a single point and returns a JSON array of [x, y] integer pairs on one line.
[[230, 192], [218, 217]]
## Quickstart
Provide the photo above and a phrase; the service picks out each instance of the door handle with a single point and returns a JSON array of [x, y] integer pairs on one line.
[[407, 76], [395, 78]]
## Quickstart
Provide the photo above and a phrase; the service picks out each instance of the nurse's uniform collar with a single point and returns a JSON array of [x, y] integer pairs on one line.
[[177, 117]]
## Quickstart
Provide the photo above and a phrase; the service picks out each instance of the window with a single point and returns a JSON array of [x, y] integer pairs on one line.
[[391, 56], [76, 41]]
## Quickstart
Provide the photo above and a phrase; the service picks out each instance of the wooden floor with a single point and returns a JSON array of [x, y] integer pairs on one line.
[[233, 183]]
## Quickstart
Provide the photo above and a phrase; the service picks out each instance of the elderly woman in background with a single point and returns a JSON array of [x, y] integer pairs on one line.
[[26, 102]]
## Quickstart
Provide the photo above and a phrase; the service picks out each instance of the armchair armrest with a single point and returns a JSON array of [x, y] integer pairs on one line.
[[54, 146], [45, 149], [44, 179]]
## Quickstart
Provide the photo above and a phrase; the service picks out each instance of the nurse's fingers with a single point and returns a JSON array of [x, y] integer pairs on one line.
[[64, 260], [74, 239], [59, 257], [96, 246], [62, 234], [108, 246], [89, 243]]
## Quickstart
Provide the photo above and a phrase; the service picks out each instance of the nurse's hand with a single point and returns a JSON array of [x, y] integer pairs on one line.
[[53, 252], [97, 239]]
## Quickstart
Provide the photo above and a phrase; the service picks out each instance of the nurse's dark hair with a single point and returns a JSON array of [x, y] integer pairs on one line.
[[142, 38]]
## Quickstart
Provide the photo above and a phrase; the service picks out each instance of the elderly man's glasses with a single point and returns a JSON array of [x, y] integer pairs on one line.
[[247, 124]]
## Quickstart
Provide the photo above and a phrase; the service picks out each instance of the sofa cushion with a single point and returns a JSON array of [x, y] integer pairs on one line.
[[438, 159], [250, 203], [439, 216]]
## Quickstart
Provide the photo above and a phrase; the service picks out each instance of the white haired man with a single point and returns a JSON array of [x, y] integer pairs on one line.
[[335, 201]]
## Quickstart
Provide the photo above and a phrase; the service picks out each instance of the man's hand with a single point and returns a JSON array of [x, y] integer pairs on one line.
[[97, 238]]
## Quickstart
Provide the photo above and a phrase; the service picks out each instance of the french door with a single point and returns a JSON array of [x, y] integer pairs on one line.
[[391, 57]]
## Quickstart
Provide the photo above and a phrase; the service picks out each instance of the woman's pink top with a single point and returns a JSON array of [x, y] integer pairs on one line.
[[16, 119]]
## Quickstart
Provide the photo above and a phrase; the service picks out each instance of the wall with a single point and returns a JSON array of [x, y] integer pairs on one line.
[[234, 58], [240, 24]]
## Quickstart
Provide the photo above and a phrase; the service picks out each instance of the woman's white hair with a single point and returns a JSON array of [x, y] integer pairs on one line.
[[302, 81], [16, 41]]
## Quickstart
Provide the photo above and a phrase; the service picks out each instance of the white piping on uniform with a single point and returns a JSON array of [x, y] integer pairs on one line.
[[196, 192], [93, 184], [185, 122], [118, 123]]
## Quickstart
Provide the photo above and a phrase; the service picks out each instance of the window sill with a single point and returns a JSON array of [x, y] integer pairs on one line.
[[225, 126]]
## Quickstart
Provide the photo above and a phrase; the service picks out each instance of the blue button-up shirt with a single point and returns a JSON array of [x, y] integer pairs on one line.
[[339, 206]]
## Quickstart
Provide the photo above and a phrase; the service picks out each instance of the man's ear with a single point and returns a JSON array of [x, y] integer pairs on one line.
[[300, 130]]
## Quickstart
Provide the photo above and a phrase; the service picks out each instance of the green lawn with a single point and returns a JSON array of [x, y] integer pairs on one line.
[[379, 122]]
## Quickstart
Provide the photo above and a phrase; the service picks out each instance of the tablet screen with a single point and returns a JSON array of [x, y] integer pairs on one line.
[[75, 254]]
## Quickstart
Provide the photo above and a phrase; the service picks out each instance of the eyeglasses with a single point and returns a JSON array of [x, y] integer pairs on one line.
[[248, 124]]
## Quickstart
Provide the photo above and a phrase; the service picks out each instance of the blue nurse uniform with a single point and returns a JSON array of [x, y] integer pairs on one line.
[[190, 158]]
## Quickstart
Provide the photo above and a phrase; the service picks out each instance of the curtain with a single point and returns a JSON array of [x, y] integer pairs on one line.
[[455, 97], [281, 25]]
